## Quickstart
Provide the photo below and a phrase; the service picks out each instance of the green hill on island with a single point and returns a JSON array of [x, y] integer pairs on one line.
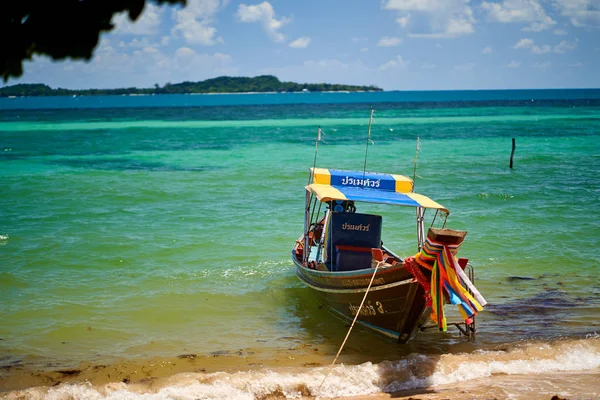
[[222, 84]]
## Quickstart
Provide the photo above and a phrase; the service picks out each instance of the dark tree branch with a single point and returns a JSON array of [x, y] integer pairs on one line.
[[57, 28]]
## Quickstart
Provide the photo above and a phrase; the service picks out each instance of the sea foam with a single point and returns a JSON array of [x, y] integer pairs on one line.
[[416, 371]]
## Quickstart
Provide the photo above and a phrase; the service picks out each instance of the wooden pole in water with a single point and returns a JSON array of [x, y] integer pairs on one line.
[[512, 153]]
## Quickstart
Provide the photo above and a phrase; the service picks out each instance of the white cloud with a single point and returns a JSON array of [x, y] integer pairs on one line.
[[196, 66], [428, 66], [324, 64], [396, 63], [487, 50], [416, 5], [560, 48], [107, 59], [138, 43], [576, 65], [194, 22], [523, 44], [537, 27], [460, 26], [541, 49], [142, 43], [197, 32], [519, 11], [464, 67], [359, 40], [388, 41], [301, 42], [151, 65], [265, 15], [530, 44], [581, 13], [113, 66], [403, 21], [445, 18], [184, 52], [543, 65], [105, 46], [513, 64], [560, 32], [324, 70], [146, 24], [564, 46]]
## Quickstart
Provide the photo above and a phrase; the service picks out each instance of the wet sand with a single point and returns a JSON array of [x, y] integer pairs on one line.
[[22, 381], [145, 373], [556, 386]]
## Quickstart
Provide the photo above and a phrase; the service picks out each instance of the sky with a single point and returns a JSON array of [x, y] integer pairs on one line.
[[393, 44]]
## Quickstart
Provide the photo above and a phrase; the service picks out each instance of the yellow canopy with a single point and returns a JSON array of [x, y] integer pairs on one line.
[[327, 193]]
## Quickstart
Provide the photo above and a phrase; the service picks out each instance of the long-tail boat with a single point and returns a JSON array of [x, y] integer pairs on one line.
[[341, 258]]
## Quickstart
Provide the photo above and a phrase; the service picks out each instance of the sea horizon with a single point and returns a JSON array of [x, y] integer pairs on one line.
[[306, 91], [476, 97]]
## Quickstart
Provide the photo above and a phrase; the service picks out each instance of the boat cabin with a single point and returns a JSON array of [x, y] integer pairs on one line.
[[351, 238], [344, 240]]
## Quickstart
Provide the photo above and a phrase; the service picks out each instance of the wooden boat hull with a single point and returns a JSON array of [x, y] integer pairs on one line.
[[395, 305]]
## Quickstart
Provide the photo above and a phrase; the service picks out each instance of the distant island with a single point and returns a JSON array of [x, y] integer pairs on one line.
[[222, 84]]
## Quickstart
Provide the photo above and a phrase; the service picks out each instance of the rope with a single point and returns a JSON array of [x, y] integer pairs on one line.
[[351, 326]]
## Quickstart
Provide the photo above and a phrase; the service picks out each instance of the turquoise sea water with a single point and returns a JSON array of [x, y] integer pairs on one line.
[[136, 227]]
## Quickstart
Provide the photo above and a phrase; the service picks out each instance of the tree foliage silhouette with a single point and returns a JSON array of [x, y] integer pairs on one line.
[[221, 84], [57, 28]]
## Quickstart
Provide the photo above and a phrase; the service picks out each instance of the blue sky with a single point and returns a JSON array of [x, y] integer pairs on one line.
[[394, 44]]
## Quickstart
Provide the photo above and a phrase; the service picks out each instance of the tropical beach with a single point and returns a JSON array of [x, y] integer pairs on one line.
[[215, 199], [147, 248]]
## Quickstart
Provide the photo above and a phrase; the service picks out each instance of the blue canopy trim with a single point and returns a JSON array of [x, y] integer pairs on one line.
[[327, 193], [358, 179]]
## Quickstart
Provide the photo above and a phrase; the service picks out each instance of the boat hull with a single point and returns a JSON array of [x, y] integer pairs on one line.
[[394, 306]]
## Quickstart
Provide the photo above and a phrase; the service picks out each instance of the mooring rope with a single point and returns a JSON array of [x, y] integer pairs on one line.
[[351, 326]]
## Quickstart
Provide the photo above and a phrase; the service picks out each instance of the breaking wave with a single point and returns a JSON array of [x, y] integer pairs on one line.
[[416, 371]]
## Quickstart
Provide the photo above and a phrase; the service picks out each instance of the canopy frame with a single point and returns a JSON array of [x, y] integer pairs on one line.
[[327, 193]]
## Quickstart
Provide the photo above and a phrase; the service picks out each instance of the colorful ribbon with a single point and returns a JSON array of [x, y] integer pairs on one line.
[[447, 277]]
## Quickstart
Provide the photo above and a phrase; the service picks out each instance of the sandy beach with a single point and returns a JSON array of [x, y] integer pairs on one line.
[[248, 374], [94, 382]]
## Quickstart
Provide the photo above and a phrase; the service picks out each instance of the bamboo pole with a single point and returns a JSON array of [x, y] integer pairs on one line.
[[512, 153]]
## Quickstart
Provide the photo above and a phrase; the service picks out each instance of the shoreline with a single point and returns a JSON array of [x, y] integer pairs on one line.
[[24, 375], [567, 368], [195, 94], [140, 380], [424, 91]]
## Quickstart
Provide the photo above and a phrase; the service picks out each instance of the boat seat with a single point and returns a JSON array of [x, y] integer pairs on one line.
[[352, 236], [351, 258]]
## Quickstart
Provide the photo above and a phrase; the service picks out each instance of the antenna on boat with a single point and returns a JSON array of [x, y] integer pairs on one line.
[[368, 141], [319, 139], [416, 155]]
